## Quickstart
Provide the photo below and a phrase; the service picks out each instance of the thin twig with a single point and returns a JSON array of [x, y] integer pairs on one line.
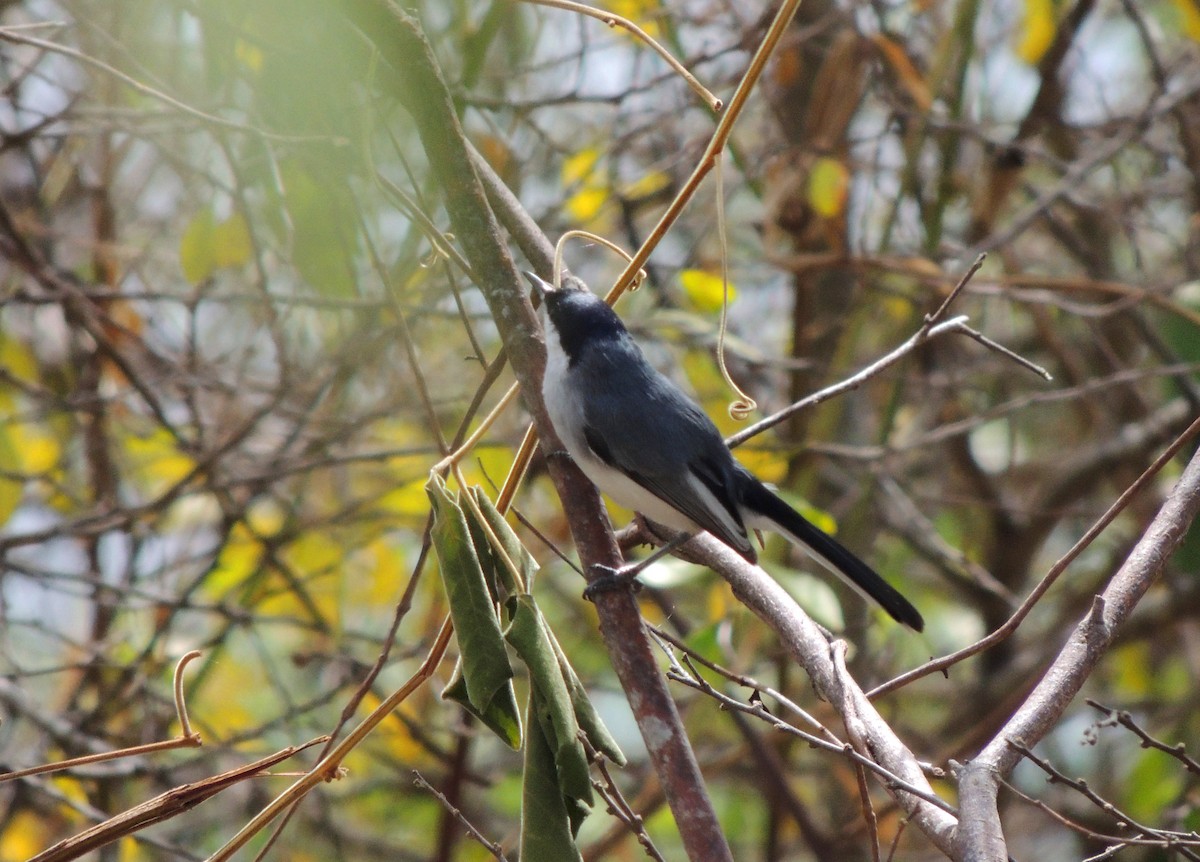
[[1013, 622], [187, 738], [493, 847], [614, 20], [1125, 720]]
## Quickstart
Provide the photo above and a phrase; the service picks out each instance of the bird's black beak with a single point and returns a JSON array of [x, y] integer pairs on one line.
[[540, 287]]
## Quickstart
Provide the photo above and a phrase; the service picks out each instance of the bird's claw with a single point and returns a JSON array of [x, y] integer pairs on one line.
[[606, 579]]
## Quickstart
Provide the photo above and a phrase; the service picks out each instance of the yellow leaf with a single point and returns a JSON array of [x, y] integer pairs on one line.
[[586, 203], [644, 13], [828, 183], [705, 290], [231, 242], [248, 54], [197, 252], [265, 518], [1038, 28], [1189, 18], [769, 465], [578, 169], [24, 835], [17, 360], [648, 186], [579, 172], [37, 451], [156, 460], [717, 602], [11, 488], [376, 573]]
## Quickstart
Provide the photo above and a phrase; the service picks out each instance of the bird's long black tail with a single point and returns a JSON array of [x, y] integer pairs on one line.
[[777, 515]]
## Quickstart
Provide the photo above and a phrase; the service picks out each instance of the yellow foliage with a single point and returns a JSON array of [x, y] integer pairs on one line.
[[208, 245], [647, 186], [828, 187], [231, 240], [11, 490], [1038, 28], [239, 558], [23, 836], [767, 465], [377, 576], [18, 360], [38, 451], [705, 290], [579, 172], [1189, 18], [644, 13], [248, 54], [155, 460], [408, 499], [717, 601], [197, 257], [235, 685]]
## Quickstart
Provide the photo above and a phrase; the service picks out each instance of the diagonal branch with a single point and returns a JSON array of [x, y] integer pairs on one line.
[[416, 80]]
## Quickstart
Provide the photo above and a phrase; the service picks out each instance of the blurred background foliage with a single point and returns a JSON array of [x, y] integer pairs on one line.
[[230, 353]]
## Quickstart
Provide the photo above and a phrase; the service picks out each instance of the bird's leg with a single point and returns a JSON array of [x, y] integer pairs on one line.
[[606, 578]]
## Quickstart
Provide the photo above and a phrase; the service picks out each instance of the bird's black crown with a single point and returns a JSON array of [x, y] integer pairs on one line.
[[581, 317]]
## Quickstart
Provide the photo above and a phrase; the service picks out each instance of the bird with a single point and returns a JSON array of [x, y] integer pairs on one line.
[[650, 447]]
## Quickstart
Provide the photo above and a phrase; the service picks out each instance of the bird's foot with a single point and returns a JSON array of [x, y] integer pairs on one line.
[[606, 579]]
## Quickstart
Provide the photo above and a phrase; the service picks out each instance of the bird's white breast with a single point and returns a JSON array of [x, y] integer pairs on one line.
[[567, 415]]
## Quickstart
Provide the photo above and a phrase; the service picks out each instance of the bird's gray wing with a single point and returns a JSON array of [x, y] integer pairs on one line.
[[689, 468]]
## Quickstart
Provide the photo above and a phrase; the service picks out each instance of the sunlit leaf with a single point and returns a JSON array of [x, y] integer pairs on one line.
[[828, 186], [156, 460], [590, 192], [644, 13], [231, 242], [18, 360], [248, 54], [578, 169], [1153, 784], [1038, 28], [197, 251], [11, 489], [37, 451], [502, 715], [647, 186], [24, 834], [586, 203], [1189, 18], [705, 290]]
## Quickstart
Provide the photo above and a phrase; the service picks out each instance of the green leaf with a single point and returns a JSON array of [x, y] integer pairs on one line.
[[530, 637], [585, 713], [476, 625], [547, 825], [323, 243], [511, 543], [501, 716]]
